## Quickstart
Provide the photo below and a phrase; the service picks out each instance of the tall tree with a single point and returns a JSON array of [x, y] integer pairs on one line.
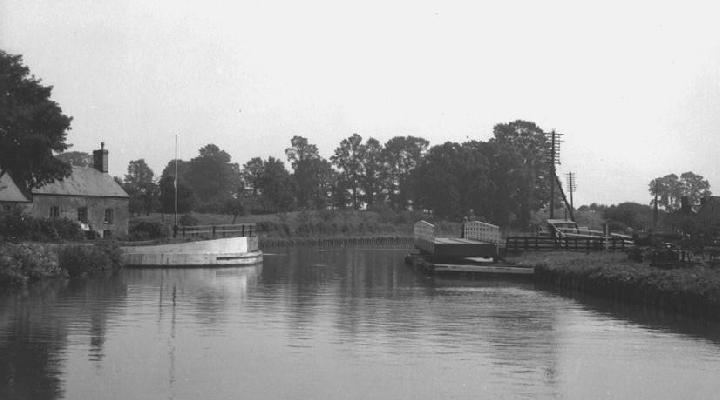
[[372, 160], [76, 158], [311, 173], [401, 155], [168, 181], [453, 180], [185, 197], [347, 159], [252, 173], [300, 150], [213, 177], [669, 189], [629, 215], [32, 127], [140, 185], [506, 176], [532, 146], [694, 186], [275, 186]]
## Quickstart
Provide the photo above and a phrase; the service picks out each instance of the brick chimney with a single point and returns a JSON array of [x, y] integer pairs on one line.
[[100, 159]]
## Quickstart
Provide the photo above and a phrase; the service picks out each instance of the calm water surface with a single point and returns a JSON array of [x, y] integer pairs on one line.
[[339, 324]]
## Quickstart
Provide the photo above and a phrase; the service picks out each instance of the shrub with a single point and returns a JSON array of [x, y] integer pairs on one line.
[[80, 260], [16, 226], [147, 230], [187, 220], [20, 263]]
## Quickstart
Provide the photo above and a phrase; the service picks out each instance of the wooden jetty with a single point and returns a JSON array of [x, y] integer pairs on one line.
[[476, 252]]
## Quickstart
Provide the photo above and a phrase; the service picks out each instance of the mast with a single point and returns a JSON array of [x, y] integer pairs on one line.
[[176, 179]]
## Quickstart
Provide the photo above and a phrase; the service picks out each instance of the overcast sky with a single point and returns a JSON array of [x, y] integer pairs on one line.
[[633, 86]]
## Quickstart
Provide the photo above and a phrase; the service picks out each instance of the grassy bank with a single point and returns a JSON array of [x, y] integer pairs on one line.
[[21, 263], [691, 290], [315, 223]]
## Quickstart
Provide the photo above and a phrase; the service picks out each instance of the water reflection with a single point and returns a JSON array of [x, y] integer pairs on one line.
[[36, 324], [646, 317], [345, 323]]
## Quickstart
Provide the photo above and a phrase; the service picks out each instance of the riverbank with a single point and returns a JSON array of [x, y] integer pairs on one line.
[[690, 290], [398, 241], [300, 226], [22, 263]]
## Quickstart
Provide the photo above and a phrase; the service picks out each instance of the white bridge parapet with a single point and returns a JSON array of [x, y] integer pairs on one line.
[[424, 233], [482, 231]]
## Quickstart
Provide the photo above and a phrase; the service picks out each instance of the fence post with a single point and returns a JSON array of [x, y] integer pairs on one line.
[[243, 230]]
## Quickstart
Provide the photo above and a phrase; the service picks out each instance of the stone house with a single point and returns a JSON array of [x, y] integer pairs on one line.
[[89, 195]]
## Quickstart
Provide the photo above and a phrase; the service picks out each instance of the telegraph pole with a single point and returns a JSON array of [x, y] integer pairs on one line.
[[656, 212], [571, 187], [554, 160]]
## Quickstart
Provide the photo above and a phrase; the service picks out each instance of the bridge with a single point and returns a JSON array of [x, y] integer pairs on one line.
[[479, 239]]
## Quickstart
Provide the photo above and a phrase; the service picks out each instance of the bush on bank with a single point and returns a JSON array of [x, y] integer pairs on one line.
[[146, 230], [689, 290], [16, 226], [26, 262], [80, 260]]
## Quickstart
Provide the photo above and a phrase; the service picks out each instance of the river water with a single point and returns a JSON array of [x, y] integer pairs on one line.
[[340, 324]]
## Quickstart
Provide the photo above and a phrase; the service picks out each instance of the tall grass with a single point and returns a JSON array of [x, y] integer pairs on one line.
[[692, 290]]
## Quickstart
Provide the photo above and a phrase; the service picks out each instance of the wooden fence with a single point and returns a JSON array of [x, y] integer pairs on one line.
[[482, 231], [586, 243]]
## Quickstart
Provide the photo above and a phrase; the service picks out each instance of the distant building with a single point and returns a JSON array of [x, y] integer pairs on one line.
[[89, 195], [708, 213]]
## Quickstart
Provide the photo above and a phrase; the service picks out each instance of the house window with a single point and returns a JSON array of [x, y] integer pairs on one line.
[[109, 216], [107, 233], [82, 214], [54, 212]]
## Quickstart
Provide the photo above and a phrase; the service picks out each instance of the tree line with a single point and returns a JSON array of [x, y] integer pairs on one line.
[[501, 180]]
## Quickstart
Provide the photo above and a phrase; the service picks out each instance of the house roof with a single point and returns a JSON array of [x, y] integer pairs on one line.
[[83, 182], [9, 191]]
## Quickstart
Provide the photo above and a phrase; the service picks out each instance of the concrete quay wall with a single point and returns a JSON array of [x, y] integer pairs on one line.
[[225, 251]]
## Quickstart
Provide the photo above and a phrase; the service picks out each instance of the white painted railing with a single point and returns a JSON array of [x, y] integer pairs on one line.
[[482, 231], [424, 233]]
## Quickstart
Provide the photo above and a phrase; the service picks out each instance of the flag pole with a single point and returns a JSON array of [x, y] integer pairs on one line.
[[176, 179]]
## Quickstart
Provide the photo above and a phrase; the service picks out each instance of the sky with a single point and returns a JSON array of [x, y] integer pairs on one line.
[[634, 87]]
